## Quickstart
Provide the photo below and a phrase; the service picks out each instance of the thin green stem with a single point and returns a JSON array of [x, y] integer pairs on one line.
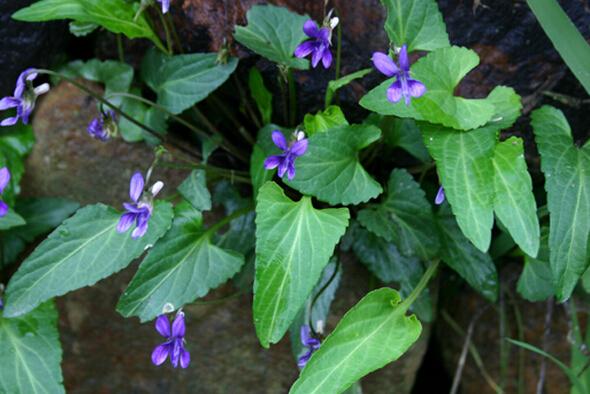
[[175, 35], [243, 132], [405, 305], [246, 100], [120, 50], [319, 293], [292, 97], [227, 145], [166, 31], [226, 220], [121, 113], [283, 98]]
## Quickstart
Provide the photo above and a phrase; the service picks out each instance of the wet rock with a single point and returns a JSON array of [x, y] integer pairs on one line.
[[105, 353], [25, 45]]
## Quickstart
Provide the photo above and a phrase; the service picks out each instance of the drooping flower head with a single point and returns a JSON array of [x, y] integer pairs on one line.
[[104, 126], [25, 96], [174, 345], [440, 196], [165, 5], [319, 43], [291, 151], [312, 344], [4, 179], [404, 86], [140, 209]]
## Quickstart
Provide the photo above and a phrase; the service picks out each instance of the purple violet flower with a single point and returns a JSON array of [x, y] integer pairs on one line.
[[104, 126], [440, 196], [4, 179], [165, 5], [404, 86], [140, 210], [25, 95], [174, 345], [292, 150], [312, 344], [319, 43]]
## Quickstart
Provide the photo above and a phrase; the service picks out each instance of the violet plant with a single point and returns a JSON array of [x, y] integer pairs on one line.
[[344, 192]]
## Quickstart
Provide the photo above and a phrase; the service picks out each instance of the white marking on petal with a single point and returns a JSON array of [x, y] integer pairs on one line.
[[167, 308], [156, 187], [42, 89], [334, 22]]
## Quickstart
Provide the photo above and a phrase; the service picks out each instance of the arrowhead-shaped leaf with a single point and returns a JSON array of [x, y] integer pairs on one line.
[[567, 182], [418, 24], [324, 120], [404, 217], [441, 71], [194, 190], [330, 169], [81, 251], [183, 266], [294, 242], [30, 352], [274, 32], [375, 332], [514, 202]]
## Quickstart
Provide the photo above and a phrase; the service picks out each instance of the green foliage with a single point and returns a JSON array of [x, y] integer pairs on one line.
[[334, 85], [117, 16], [261, 95], [566, 38], [147, 115], [181, 81], [404, 217], [418, 24], [375, 332], [567, 182], [30, 352], [535, 282], [330, 169], [194, 190], [263, 148], [82, 250], [294, 242], [15, 143], [514, 202], [10, 220], [82, 29], [41, 216], [441, 71], [457, 252], [183, 266], [274, 33], [402, 133], [324, 120]]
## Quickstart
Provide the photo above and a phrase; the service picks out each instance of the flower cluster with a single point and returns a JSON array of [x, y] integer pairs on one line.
[[318, 46], [404, 86], [140, 209], [286, 161], [104, 126], [312, 344], [24, 98], [174, 345]]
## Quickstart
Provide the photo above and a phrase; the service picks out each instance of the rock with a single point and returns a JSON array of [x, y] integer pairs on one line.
[[105, 353], [25, 45]]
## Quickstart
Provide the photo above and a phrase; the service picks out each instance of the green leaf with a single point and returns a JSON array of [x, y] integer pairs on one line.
[[260, 94], [41, 216], [30, 353], [566, 38], [183, 266], [117, 16], [324, 120], [274, 33], [514, 202], [457, 252], [375, 332], [385, 261], [441, 71], [404, 217], [294, 242], [567, 182], [536, 281], [115, 76], [182, 81], [335, 85], [330, 169], [418, 24], [83, 250], [194, 190], [11, 219], [82, 29], [403, 133], [147, 115], [15, 143]]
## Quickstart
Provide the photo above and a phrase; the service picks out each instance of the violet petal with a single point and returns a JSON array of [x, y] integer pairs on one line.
[[299, 147], [136, 186], [3, 208], [384, 64], [416, 88], [160, 354], [185, 358], [311, 28], [279, 139], [126, 222], [394, 93], [272, 162], [4, 178], [178, 326], [404, 62], [304, 49], [163, 326], [8, 102]]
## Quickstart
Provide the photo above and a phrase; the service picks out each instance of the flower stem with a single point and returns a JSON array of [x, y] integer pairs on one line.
[[240, 212], [167, 32], [228, 146], [405, 305], [292, 97], [174, 33], [120, 50]]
